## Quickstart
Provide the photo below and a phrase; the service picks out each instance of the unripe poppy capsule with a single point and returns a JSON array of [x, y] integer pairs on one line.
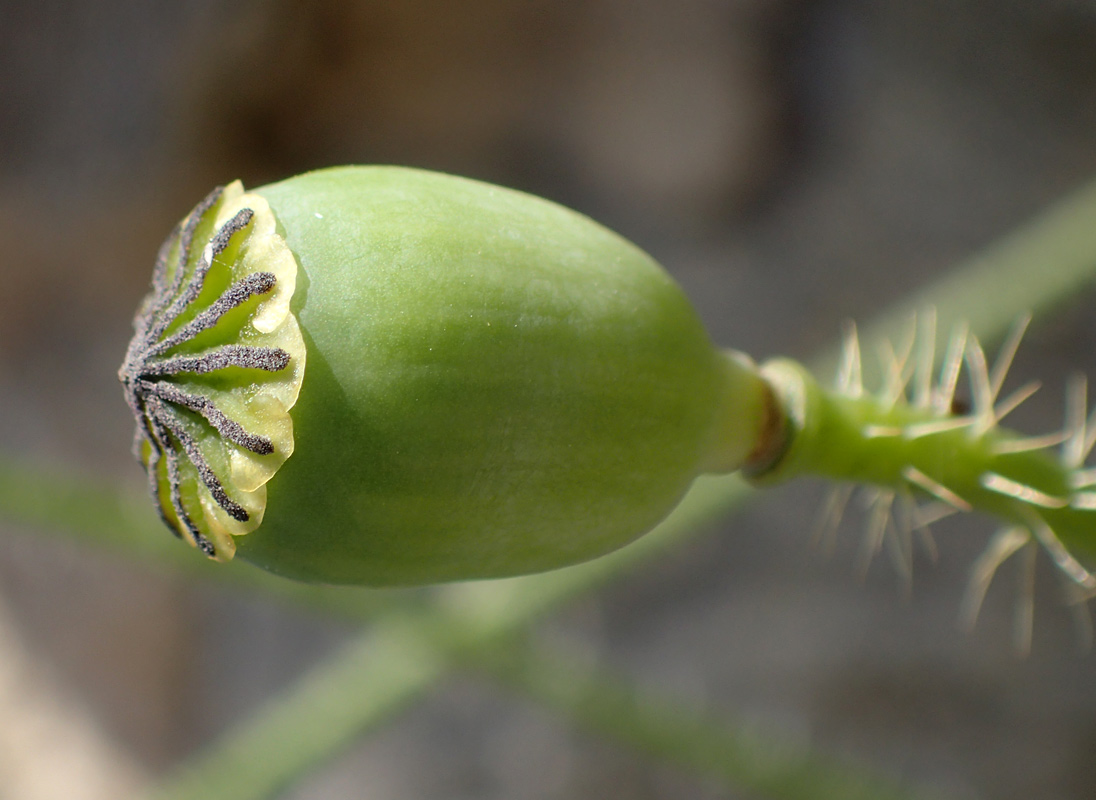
[[384, 376]]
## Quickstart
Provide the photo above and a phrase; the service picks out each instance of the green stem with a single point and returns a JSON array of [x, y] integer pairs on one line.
[[724, 750], [357, 690], [1044, 262], [386, 669]]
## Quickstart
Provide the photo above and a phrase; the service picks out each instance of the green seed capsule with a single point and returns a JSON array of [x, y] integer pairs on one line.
[[386, 376]]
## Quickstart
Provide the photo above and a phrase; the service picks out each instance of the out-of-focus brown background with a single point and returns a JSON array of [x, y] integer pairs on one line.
[[792, 163]]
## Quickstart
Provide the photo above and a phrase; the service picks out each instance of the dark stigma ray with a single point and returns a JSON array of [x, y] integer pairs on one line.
[[221, 422], [197, 281], [237, 294], [152, 470], [268, 359], [240, 220], [166, 417], [175, 487], [186, 239]]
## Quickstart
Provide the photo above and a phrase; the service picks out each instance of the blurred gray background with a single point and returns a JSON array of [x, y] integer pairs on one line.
[[792, 163]]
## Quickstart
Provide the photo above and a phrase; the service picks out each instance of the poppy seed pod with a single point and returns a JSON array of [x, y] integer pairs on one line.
[[386, 376]]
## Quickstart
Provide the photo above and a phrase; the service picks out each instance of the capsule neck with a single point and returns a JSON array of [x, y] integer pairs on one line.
[[743, 429]]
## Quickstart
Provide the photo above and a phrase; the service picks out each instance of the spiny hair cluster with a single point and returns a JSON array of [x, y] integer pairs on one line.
[[899, 513], [150, 365]]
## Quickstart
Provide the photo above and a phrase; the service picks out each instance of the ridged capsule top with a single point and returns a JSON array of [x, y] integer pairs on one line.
[[215, 364]]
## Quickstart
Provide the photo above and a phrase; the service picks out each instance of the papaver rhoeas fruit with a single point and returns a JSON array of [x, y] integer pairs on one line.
[[383, 376]]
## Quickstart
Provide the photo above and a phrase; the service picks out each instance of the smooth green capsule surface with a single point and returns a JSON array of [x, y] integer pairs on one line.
[[488, 384]]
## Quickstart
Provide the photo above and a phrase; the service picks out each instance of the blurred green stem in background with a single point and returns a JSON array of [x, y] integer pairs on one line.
[[727, 752], [418, 637]]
